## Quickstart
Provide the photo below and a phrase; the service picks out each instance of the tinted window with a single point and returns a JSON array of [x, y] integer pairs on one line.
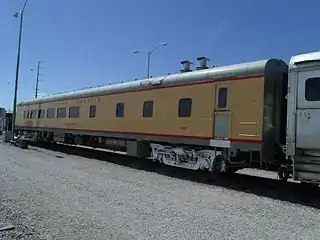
[[312, 89], [50, 113], [61, 112], [74, 112], [120, 110], [92, 111], [33, 114], [222, 97], [148, 109], [185, 105]]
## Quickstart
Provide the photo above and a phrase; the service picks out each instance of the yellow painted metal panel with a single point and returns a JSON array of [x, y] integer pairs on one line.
[[245, 103]]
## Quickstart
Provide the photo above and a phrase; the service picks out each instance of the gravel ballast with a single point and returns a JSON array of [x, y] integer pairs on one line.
[[50, 195]]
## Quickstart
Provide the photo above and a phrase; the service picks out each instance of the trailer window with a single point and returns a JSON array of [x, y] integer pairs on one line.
[[61, 112], [148, 109], [185, 106], [74, 112], [41, 113], [120, 110], [92, 111], [33, 114], [50, 113], [312, 89], [222, 97]]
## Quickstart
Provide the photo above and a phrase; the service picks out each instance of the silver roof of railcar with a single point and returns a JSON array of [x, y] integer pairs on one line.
[[304, 58], [218, 73]]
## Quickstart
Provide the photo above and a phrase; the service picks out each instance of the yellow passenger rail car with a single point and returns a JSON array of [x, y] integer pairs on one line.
[[223, 118]]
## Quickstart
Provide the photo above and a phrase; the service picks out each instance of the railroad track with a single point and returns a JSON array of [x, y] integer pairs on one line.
[[285, 191]]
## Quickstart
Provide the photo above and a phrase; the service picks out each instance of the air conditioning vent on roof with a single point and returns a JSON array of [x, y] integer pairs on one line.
[[202, 63], [186, 66]]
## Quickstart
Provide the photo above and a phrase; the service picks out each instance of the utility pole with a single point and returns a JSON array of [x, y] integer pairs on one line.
[[37, 81]]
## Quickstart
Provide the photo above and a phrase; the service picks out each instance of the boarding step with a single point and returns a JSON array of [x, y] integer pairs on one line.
[[307, 168]]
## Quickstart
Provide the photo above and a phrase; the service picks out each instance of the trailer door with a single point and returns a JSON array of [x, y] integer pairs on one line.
[[308, 110]]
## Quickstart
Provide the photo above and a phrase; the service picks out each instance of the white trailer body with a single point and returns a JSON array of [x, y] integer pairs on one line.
[[303, 117]]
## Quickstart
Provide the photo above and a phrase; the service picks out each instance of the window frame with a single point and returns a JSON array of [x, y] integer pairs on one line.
[[65, 112], [33, 114], [92, 114], [52, 111], [120, 106], [311, 89], [222, 99], [187, 108], [147, 111], [41, 113], [70, 111]]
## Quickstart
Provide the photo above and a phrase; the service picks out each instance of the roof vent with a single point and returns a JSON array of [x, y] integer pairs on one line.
[[202, 63], [186, 66]]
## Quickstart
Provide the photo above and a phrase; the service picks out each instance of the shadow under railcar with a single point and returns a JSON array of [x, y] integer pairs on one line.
[[285, 191]]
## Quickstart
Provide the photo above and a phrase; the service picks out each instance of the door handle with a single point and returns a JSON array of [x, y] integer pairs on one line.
[[308, 115]]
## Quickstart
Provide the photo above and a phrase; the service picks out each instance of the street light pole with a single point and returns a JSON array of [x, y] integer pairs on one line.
[[149, 54], [14, 112]]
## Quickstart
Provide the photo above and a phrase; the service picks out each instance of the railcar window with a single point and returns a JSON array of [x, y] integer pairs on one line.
[[61, 112], [74, 112], [25, 114], [312, 89], [50, 113], [33, 114], [41, 113], [222, 97], [92, 111], [120, 110], [185, 106], [148, 109], [28, 114]]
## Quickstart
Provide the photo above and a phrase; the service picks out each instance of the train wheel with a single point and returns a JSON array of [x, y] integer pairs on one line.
[[218, 165]]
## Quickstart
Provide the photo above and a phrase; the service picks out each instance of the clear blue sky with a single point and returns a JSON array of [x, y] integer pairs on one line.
[[90, 42]]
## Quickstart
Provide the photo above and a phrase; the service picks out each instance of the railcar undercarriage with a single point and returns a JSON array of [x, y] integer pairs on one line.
[[188, 157]]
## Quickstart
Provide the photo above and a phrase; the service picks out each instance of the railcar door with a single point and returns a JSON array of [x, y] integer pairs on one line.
[[221, 116], [308, 110]]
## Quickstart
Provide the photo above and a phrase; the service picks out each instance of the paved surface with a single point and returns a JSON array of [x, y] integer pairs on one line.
[[48, 195]]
